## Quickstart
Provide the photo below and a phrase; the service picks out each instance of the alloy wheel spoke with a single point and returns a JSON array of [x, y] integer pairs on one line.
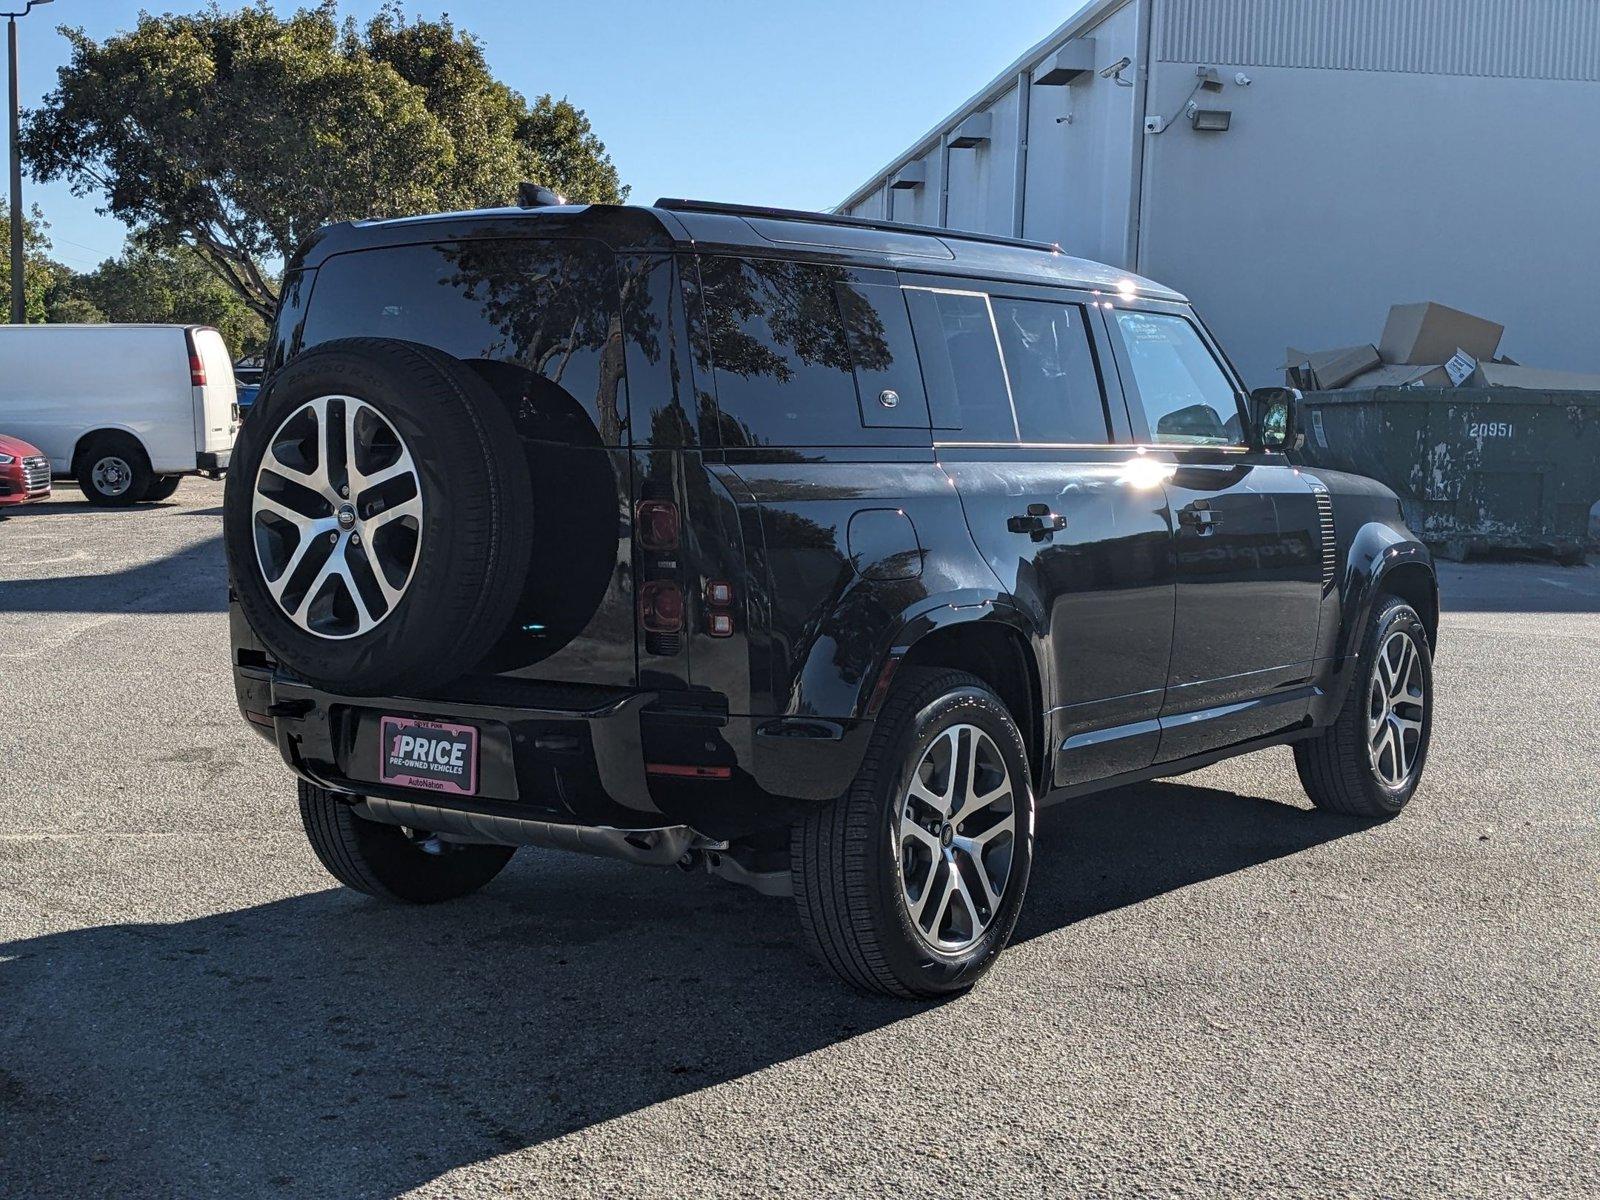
[[410, 508], [308, 538], [974, 859]]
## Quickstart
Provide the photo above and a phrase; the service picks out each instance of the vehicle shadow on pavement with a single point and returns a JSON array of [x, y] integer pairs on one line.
[[326, 1044], [192, 580]]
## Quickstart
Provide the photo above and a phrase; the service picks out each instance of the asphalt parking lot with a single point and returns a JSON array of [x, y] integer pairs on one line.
[[1213, 990]]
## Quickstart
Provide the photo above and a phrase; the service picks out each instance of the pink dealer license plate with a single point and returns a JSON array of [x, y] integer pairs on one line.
[[430, 755]]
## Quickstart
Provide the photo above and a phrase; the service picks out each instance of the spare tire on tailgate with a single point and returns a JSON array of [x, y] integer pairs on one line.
[[376, 517]]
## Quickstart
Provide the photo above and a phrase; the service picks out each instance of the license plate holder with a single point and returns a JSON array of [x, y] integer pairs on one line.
[[431, 756]]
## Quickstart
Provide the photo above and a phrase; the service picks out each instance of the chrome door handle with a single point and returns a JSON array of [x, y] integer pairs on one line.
[[1038, 521]]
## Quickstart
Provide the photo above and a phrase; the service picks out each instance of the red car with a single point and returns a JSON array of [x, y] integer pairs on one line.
[[24, 472]]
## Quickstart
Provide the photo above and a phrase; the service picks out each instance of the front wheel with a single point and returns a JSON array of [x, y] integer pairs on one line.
[[1369, 761], [389, 862], [910, 883]]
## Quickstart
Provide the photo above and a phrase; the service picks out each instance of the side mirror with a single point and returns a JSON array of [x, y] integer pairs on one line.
[[1273, 412]]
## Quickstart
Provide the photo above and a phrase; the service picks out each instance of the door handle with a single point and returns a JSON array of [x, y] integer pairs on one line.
[[1039, 522]]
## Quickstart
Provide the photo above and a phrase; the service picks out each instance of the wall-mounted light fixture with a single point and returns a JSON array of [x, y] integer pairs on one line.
[[1211, 120]]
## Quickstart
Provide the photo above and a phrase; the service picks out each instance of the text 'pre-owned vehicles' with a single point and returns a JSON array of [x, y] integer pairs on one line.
[[126, 410], [819, 553]]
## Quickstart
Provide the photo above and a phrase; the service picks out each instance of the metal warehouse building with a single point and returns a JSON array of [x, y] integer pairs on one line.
[[1296, 166]]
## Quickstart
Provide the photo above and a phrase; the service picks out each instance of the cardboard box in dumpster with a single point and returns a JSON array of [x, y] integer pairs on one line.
[[1403, 376], [1419, 334], [1333, 368], [1510, 375]]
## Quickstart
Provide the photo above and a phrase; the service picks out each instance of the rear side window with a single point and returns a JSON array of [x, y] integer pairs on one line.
[[1055, 387], [538, 319], [802, 353], [1186, 397], [1007, 370]]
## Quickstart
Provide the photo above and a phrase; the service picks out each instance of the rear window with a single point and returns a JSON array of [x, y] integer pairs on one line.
[[538, 319]]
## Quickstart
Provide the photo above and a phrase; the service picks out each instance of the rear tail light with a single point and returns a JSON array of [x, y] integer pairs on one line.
[[658, 524], [661, 607], [197, 367]]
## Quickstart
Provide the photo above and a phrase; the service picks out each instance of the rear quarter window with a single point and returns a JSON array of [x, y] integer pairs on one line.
[[802, 353], [537, 319]]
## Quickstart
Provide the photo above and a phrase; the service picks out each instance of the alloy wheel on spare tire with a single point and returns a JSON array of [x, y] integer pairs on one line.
[[375, 516]]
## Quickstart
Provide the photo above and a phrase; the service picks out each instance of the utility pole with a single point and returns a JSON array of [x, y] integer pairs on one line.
[[18, 304]]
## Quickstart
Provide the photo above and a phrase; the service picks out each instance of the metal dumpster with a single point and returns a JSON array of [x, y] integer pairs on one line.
[[1476, 468]]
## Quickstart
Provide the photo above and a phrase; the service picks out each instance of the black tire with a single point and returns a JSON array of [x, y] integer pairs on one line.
[[846, 869], [1336, 768], [382, 861], [117, 455], [163, 488], [475, 541]]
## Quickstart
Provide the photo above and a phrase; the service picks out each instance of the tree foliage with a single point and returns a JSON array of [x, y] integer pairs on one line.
[[239, 134], [42, 277], [166, 285]]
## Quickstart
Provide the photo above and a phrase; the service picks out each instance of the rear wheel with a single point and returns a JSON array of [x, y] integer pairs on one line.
[[389, 862], [1369, 761], [163, 487], [910, 883], [113, 470]]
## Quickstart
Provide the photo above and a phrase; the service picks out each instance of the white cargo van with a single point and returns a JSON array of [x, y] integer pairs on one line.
[[127, 410]]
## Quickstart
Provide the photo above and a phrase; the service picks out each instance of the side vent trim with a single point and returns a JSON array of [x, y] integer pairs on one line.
[[1330, 545]]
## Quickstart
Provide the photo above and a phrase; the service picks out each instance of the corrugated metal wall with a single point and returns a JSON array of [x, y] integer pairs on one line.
[[1526, 39]]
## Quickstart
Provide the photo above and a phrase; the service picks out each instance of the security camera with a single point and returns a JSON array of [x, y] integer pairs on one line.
[[1242, 79], [1122, 64]]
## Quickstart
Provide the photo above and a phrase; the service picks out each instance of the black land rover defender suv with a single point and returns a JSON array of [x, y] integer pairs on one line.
[[817, 553]]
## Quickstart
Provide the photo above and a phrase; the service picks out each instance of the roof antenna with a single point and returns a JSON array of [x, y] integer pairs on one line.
[[536, 195]]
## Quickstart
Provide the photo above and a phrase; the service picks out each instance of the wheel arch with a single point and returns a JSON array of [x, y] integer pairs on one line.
[[84, 439], [988, 640]]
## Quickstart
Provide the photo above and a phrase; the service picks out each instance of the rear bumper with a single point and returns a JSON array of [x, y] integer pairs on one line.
[[626, 760], [213, 461]]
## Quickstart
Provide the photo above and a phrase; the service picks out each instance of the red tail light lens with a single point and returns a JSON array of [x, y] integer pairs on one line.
[[197, 370], [658, 524], [661, 607]]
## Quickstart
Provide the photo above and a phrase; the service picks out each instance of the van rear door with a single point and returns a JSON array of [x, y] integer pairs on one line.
[[211, 377]]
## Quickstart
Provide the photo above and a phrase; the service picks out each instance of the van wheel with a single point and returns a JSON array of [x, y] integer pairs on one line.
[[163, 488], [1369, 761], [113, 470], [389, 862], [910, 883]]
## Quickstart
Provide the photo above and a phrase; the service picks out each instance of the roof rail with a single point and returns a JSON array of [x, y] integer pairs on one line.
[[819, 218]]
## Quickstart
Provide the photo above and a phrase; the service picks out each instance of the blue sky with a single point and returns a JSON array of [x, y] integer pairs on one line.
[[793, 105]]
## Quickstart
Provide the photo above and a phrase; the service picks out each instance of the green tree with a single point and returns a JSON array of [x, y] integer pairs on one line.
[[41, 276], [239, 134], [168, 285]]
